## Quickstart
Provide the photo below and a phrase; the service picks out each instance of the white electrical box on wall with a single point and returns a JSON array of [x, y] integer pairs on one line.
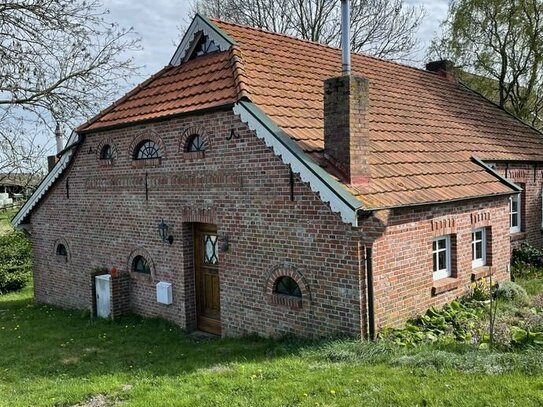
[[164, 293]]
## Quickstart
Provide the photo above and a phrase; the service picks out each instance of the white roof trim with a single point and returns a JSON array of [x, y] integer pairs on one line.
[[330, 190], [42, 189], [198, 24]]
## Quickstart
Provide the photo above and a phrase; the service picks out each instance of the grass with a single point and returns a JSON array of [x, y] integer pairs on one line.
[[5, 218], [54, 357]]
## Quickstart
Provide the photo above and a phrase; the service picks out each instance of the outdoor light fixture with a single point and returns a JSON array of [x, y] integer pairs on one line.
[[163, 232], [225, 245]]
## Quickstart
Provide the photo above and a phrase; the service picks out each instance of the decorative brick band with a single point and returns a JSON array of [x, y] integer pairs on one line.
[[480, 219], [199, 215], [143, 253], [62, 259], [443, 226], [287, 269]]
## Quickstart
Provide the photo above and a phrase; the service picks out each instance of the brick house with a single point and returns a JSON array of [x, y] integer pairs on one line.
[[273, 195]]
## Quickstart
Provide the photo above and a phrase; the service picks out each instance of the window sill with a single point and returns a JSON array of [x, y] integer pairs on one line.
[[286, 300], [140, 276], [517, 236], [193, 155], [151, 162], [105, 163], [444, 285], [480, 272]]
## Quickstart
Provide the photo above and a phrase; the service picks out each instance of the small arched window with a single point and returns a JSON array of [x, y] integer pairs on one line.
[[61, 250], [195, 143], [147, 150], [287, 286], [106, 153], [140, 265]]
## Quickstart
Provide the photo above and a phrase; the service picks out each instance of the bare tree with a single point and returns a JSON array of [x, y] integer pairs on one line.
[[383, 28], [61, 61], [497, 46]]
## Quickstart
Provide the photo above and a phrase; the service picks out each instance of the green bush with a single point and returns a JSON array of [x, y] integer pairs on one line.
[[527, 261], [510, 291], [15, 262]]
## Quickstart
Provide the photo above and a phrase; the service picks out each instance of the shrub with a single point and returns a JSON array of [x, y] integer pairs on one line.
[[526, 261], [15, 262], [510, 291]]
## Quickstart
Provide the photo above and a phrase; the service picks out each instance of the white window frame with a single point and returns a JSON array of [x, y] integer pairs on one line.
[[515, 229], [442, 272], [481, 261]]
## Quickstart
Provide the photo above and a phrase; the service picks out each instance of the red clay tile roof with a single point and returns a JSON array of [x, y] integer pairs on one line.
[[202, 83], [423, 128]]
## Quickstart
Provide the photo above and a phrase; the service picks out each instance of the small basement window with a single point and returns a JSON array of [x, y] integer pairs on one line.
[[141, 265], [287, 286], [147, 150], [441, 257]]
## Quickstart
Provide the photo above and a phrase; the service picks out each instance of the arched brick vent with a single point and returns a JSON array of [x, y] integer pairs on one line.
[[143, 253], [291, 301], [142, 136], [186, 137], [61, 246]]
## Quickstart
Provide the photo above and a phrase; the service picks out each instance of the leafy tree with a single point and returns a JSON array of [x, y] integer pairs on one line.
[[61, 61], [497, 45], [382, 28]]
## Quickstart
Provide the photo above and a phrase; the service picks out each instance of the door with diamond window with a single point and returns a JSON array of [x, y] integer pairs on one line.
[[206, 268]]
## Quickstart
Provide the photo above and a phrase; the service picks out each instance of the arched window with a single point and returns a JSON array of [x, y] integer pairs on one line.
[[140, 265], [61, 250], [146, 150], [195, 143], [287, 286], [106, 153]]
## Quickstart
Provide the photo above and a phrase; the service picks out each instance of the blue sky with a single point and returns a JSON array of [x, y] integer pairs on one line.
[[158, 23]]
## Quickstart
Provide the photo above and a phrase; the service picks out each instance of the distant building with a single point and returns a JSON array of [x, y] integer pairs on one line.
[[19, 186]]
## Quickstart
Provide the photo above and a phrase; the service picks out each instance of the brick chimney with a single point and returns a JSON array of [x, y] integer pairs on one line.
[[346, 133], [346, 105], [443, 68]]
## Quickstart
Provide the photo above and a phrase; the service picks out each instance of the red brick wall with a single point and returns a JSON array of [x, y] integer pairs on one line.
[[531, 178], [402, 257], [242, 187]]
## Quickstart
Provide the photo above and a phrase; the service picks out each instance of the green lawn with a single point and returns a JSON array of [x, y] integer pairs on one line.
[[52, 357], [5, 218]]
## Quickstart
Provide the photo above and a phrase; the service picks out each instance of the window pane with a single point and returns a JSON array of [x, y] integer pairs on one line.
[[434, 261], [514, 220], [479, 235], [210, 249], [434, 246], [479, 250], [442, 243], [442, 260]]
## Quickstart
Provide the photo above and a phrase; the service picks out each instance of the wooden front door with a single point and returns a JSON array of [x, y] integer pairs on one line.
[[206, 268]]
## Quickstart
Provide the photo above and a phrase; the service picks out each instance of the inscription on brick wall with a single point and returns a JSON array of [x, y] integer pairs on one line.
[[163, 181]]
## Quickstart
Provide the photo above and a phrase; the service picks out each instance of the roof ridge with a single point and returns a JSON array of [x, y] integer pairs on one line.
[[320, 44], [238, 69]]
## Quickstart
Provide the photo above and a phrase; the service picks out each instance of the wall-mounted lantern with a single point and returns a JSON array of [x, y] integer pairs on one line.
[[163, 232]]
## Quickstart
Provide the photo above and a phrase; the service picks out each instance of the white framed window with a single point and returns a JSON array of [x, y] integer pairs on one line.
[[478, 248], [514, 213], [441, 257]]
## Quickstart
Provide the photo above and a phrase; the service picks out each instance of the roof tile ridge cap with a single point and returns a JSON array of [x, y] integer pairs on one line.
[[122, 99], [320, 44], [238, 69]]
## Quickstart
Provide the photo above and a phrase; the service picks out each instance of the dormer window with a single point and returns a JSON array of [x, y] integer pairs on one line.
[[203, 47]]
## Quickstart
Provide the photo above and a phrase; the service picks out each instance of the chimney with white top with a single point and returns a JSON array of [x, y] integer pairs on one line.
[[60, 138], [346, 116]]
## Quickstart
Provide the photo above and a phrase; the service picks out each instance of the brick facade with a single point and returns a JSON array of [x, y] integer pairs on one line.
[[239, 185], [402, 257], [530, 178], [108, 214]]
